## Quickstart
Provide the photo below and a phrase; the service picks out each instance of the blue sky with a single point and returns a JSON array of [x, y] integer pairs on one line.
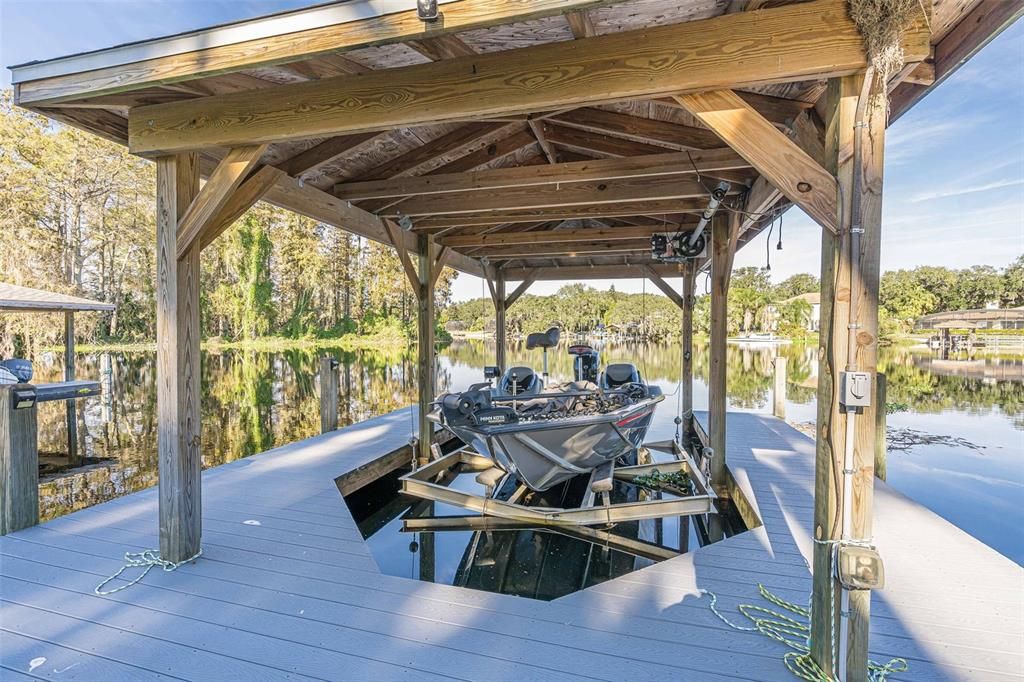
[[954, 184]]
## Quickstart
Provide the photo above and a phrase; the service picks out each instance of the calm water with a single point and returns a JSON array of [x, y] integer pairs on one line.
[[254, 401]]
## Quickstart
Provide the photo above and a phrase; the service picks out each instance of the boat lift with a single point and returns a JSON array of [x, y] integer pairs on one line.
[[423, 483]]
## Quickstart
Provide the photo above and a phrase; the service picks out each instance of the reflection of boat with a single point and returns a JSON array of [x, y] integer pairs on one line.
[[759, 338], [548, 434]]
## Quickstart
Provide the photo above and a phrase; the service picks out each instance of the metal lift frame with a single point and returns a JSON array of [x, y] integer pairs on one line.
[[421, 483]]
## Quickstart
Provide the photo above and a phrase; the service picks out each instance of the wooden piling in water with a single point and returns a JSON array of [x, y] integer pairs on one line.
[[328, 395], [779, 393]]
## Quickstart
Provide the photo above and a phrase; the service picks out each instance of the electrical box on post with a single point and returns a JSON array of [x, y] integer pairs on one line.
[[860, 568], [855, 389]]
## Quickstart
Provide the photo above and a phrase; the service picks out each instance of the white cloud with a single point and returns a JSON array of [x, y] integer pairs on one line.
[[961, 190]]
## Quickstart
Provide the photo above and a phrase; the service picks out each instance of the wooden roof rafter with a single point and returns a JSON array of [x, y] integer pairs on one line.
[[458, 185]]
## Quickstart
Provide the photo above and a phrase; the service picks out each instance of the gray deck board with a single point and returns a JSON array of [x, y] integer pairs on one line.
[[300, 595]]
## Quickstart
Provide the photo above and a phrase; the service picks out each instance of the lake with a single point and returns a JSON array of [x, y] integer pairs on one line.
[[959, 422]]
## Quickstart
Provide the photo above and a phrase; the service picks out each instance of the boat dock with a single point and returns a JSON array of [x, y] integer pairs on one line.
[[286, 588]]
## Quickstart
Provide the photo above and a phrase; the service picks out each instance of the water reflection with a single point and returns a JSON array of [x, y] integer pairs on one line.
[[253, 401]]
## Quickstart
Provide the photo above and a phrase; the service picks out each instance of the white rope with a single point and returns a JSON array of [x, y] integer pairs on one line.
[[146, 560]]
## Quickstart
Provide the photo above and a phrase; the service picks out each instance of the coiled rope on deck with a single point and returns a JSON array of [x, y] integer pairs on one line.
[[793, 629], [147, 560]]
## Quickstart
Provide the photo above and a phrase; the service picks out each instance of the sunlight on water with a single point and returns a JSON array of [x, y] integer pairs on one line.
[[253, 401]]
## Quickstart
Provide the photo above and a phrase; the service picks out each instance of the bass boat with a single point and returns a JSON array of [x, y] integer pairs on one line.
[[546, 434]]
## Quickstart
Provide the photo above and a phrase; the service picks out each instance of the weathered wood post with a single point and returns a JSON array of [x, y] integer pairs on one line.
[[689, 271], [19, 458], [70, 410], [177, 360], [724, 231], [328, 395], [779, 392], [500, 322], [425, 327], [881, 432], [849, 315]]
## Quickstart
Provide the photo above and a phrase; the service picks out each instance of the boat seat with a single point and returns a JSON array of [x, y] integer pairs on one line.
[[548, 339], [619, 374], [526, 382]]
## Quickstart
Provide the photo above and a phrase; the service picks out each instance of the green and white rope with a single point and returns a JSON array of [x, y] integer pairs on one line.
[[147, 560], [793, 628]]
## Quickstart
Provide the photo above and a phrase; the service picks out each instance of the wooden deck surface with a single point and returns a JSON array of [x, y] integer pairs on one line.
[[287, 588]]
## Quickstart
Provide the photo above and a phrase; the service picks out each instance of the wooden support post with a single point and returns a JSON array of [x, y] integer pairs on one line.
[[19, 462], [686, 375], [849, 296], [779, 394], [70, 409], [724, 233], [500, 321], [425, 325], [328, 395], [881, 430], [178, 390]]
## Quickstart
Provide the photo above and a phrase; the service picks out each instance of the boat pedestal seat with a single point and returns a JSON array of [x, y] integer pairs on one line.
[[618, 375], [523, 380]]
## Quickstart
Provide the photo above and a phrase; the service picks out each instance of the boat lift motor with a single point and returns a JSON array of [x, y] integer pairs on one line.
[[683, 247], [586, 362]]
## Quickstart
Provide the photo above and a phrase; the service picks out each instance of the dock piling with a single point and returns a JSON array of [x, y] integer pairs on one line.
[[328, 394], [779, 393], [19, 458]]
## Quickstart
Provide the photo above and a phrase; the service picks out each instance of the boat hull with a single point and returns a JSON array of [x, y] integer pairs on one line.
[[545, 453]]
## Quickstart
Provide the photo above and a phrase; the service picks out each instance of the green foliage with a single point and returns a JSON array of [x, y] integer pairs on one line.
[[1013, 284], [77, 217], [802, 283], [794, 316]]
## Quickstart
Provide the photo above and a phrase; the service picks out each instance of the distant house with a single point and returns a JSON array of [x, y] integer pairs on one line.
[[978, 319], [772, 314]]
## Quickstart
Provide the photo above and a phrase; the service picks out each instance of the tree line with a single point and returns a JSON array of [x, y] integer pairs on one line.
[[755, 304], [77, 216]]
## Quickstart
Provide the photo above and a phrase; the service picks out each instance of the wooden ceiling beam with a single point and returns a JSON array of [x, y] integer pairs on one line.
[[606, 145], [580, 24], [547, 236], [551, 196], [323, 41], [792, 42], [594, 170], [564, 249], [645, 130], [778, 110], [671, 208], [631, 268], [441, 47], [323, 153], [790, 169]]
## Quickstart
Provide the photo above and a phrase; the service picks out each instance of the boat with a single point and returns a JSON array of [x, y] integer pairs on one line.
[[544, 433], [759, 338]]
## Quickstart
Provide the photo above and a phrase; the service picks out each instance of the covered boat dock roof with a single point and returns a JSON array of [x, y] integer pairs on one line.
[[26, 299]]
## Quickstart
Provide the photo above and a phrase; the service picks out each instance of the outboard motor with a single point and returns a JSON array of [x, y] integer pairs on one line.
[[545, 340], [586, 362]]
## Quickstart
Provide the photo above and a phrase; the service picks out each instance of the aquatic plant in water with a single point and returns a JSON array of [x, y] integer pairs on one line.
[[656, 480]]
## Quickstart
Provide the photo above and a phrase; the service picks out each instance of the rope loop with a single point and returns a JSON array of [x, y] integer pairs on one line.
[[791, 625], [147, 560]]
